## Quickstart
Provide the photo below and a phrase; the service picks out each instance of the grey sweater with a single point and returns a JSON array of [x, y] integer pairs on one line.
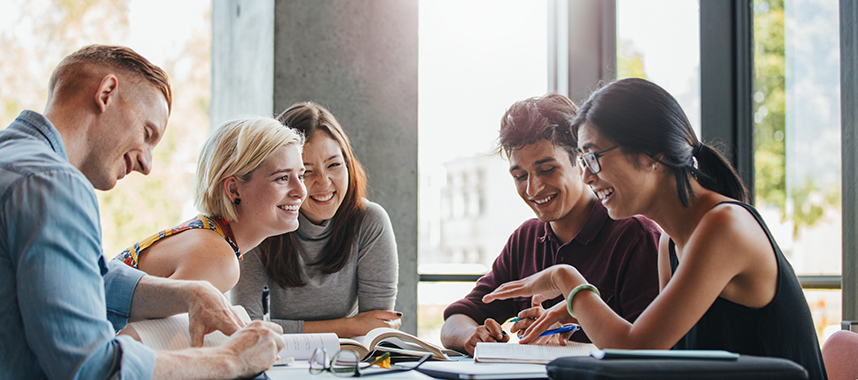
[[367, 282]]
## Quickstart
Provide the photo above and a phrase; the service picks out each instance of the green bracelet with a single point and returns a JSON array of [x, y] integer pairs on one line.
[[574, 292]]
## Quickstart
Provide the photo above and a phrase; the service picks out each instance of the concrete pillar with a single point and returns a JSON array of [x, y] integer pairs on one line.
[[358, 59]]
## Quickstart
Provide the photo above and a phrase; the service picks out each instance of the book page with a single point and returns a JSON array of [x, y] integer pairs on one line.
[[301, 346], [172, 333], [398, 338], [395, 341], [487, 352], [408, 344], [354, 345], [372, 337]]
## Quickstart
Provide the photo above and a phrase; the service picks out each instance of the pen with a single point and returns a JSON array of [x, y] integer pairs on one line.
[[570, 328], [266, 305], [517, 319]]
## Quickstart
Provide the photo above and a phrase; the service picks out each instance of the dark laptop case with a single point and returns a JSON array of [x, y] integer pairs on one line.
[[746, 367]]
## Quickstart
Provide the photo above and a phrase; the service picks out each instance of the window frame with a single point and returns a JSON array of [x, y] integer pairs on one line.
[[849, 156], [726, 51], [577, 28]]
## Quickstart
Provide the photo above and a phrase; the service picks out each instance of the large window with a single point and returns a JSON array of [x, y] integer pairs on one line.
[[36, 34], [659, 40], [477, 57], [796, 99]]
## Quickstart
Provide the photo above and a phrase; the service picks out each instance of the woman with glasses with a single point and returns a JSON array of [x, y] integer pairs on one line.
[[338, 272], [725, 284]]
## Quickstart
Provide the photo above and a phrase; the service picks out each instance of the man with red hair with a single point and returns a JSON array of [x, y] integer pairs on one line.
[[60, 303]]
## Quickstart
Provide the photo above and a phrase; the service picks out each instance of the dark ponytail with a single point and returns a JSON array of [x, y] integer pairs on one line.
[[643, 118], [717, 174]]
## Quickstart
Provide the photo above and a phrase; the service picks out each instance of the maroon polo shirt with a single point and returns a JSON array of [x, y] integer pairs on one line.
[[619, 257]]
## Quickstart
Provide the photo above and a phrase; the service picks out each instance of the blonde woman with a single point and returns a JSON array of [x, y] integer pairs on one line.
[[249, 186], [338, 272]]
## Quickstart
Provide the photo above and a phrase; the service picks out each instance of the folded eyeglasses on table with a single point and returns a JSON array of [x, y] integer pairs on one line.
[[346, 363]]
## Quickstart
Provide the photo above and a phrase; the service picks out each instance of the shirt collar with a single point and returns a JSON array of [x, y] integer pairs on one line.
[[38, 126], [597, 218]]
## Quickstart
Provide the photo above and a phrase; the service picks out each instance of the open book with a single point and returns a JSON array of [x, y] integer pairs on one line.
[[395, 342], [488, 352]]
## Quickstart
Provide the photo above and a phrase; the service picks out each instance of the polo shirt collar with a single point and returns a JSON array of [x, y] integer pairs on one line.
[[595, 221]]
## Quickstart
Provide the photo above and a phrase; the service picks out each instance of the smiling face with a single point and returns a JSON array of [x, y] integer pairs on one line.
[[273, 195], [327, 178], [122, 138], [548, 181], [623, 186]]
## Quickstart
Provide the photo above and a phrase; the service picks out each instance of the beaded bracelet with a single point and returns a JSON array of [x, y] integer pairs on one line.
[[574, 292]]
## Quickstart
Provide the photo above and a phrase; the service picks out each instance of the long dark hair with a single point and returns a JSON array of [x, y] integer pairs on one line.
[[643, 118], [280, 253]]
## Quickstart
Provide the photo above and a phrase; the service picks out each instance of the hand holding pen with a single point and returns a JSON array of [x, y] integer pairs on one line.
[[564, 329], [520, 325], [495, 331], [548, 322], [525, 318]]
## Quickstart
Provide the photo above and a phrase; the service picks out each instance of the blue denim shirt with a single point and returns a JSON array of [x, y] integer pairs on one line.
[[56, 321]]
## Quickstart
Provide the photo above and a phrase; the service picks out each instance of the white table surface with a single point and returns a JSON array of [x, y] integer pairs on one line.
[[299, 370]]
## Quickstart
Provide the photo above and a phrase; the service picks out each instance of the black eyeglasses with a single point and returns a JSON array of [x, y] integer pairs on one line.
[[590, 160], [346, 363]]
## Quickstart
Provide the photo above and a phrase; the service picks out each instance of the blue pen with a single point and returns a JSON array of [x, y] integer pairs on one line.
[[570, 328]]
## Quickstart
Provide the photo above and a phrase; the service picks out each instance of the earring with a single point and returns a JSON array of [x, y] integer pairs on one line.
[[654, 167], [237, 201]]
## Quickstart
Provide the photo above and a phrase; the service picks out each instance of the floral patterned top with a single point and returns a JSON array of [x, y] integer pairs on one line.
[[131, 255]]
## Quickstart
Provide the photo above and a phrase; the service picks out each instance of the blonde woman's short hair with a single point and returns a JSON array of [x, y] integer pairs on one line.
[[237, 148]]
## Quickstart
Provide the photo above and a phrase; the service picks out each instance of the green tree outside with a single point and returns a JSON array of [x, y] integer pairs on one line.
[[769, 104], [805, 201]]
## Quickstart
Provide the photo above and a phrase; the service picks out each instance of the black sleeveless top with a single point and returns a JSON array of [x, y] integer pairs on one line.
[[783, 328]]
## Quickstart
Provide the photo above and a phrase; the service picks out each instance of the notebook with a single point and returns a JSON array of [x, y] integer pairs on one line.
[[491, 352]]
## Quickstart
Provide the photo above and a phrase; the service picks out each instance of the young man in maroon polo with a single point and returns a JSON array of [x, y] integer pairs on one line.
[[572, 227]]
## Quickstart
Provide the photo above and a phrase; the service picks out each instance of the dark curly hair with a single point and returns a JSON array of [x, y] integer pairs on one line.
[[529, 121]]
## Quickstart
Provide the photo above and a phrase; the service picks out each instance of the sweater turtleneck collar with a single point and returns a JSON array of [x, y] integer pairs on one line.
[[308, 230]]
